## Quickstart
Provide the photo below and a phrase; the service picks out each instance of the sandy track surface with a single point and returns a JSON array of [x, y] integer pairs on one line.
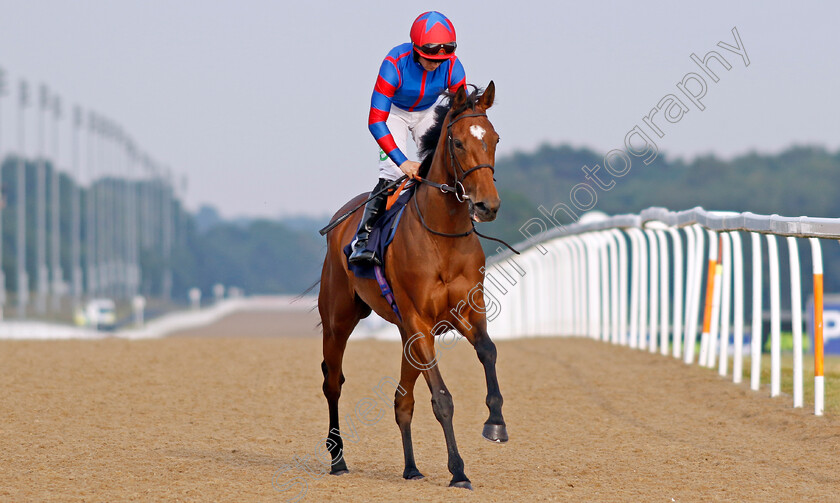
[[233, 417]]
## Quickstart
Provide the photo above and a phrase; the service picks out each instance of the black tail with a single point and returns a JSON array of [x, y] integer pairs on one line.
[[303, 294]]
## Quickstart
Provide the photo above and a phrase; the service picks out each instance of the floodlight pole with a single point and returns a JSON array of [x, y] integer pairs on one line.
[[76, 225], [167, 234], [102, 209], [146, 242], [180, 231], [147, 202], [116, 212], [122, 225], [131, 227], [103, 275], [41, 210], [119, 214], [55, 249], [91, 217], [2, 206], [22, 277]]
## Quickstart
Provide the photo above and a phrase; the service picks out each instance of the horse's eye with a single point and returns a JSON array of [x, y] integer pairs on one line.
[[498, 139], [458, 144]]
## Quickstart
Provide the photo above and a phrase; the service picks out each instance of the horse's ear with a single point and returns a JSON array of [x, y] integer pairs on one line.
[[486, 99], [460, 98]]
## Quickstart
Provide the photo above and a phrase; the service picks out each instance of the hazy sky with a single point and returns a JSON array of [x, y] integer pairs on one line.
[[263, 104]]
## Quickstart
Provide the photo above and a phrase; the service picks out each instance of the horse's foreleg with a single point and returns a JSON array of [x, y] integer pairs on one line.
[[494, 427], [421, 354], [404, 411]]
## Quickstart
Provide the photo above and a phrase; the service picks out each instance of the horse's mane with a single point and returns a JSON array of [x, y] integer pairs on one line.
[[429, 140]]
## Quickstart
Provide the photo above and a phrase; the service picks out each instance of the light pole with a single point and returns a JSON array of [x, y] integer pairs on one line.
[[146, 195], [55, 249], [131, 224], [22, 276], [121, 194], [117, 210], [101, 207], [41, 209], [3, 92], [180, 230], [145, 205], [114, 213], [76, 226], [167, 234], [90, 219], [153, 209], [102, 210]]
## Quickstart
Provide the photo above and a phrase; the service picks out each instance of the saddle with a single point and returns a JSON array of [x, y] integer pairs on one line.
[[380, 237]]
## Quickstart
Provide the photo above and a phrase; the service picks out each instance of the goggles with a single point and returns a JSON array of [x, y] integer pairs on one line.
[[434, 49]]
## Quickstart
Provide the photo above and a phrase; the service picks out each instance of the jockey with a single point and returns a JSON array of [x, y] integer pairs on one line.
[[410, 81]]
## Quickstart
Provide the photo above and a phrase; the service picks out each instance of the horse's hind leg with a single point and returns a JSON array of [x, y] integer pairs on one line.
[[404, 410], [333, 379], [339, 315]]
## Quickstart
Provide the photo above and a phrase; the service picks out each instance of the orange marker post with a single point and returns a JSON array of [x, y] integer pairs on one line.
[[707, 312], [819, 379]]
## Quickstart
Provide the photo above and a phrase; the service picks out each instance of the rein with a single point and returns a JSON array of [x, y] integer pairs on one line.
[[458, 188]]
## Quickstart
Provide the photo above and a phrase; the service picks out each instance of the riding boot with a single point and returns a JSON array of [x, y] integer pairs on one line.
[[373, 209]]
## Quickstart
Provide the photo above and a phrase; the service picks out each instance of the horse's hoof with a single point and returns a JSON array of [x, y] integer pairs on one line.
[[495, 433], [339, 467], [413, 475], [463, 484]]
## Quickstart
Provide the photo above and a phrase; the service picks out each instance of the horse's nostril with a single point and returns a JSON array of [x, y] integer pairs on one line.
[[481, 207]]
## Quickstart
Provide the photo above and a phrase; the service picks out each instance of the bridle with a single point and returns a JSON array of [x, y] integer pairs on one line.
[[458, 187], [461, 195]]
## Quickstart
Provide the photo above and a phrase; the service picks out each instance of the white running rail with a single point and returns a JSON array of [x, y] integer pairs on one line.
[[641, 281]]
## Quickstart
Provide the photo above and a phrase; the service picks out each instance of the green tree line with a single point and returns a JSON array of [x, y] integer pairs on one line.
[[801, 180], [285, 256]]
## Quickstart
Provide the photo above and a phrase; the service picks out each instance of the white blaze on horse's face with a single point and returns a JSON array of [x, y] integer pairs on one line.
[[479, 133]]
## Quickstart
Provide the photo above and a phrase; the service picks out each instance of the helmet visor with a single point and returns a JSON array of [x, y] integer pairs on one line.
[[435, 49]]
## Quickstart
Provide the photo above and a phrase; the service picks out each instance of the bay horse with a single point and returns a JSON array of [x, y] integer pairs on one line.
[[433, 265]]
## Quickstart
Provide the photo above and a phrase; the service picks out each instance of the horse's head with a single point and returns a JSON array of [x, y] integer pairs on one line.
[[471, 151]]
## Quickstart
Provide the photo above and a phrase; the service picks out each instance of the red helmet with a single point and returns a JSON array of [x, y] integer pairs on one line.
[[434, 30]]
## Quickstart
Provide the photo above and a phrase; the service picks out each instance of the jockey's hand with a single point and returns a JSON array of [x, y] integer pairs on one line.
[[410, 168]]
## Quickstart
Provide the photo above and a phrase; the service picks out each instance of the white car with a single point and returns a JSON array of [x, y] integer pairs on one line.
[[101, 314]]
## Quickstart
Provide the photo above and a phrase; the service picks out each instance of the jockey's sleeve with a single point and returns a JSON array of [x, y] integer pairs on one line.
[[387, 83], [457, 76]]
